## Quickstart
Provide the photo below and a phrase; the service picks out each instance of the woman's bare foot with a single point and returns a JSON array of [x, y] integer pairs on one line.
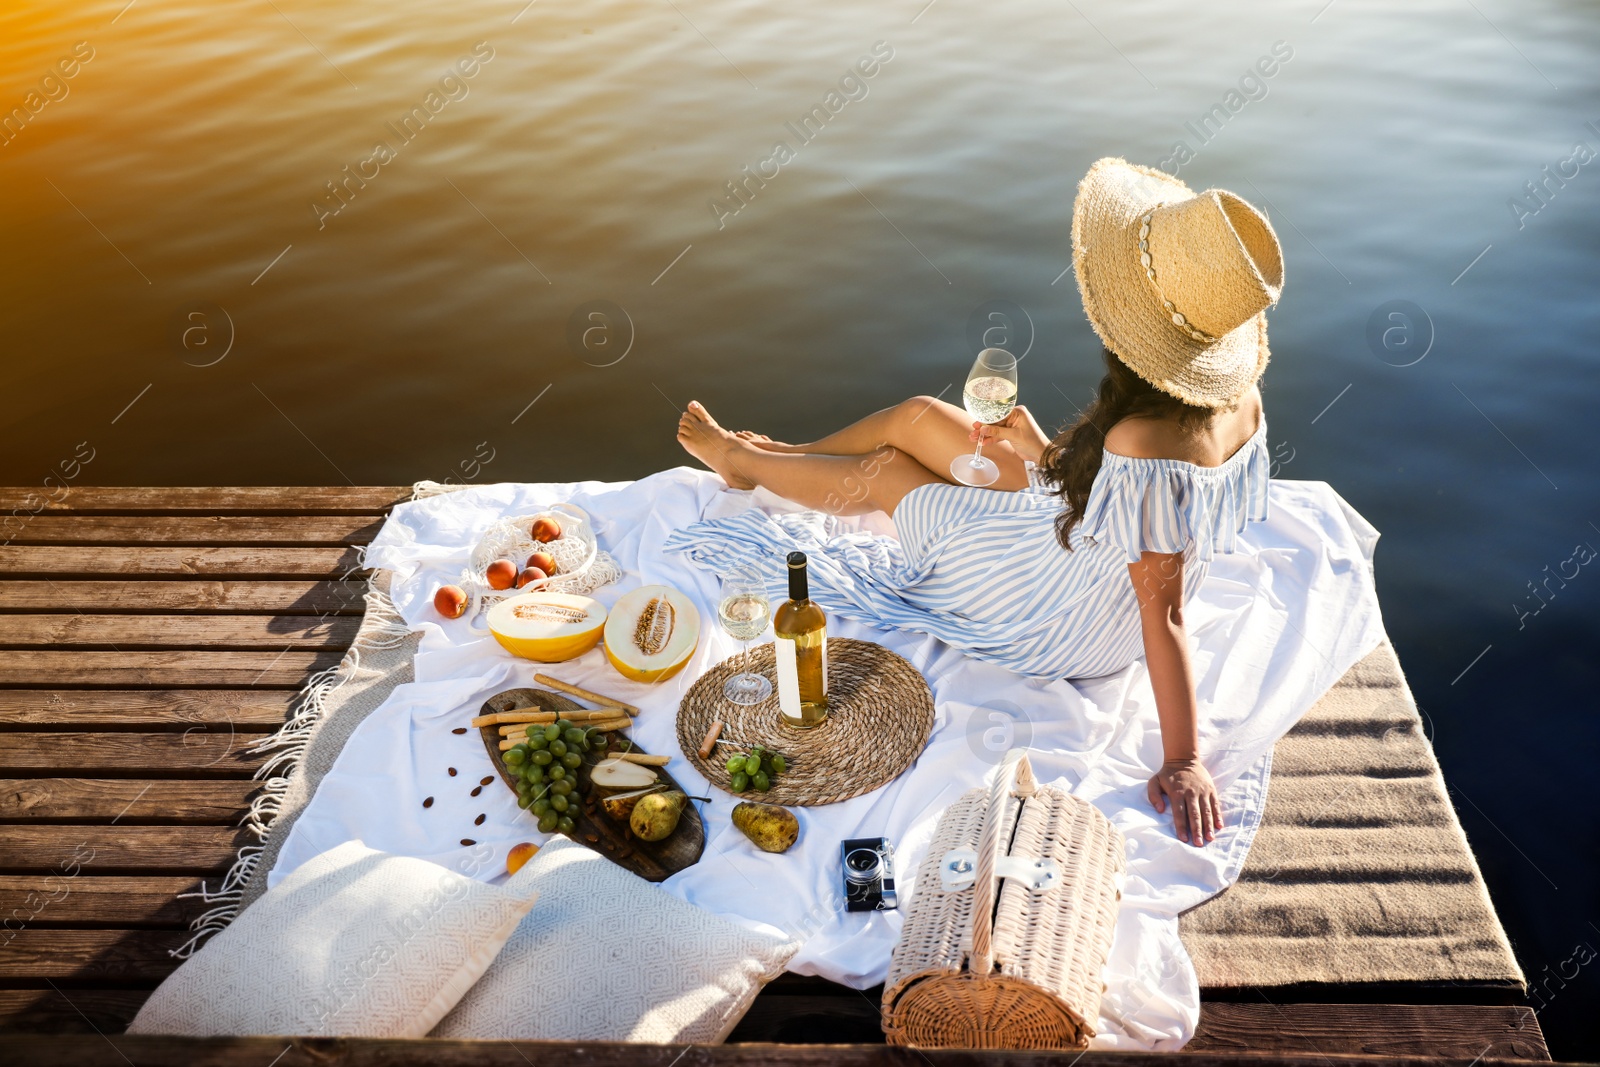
[[708, 442], [761, 440]]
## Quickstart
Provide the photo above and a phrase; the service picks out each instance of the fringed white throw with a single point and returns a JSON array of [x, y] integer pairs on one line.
[[1274, 626]]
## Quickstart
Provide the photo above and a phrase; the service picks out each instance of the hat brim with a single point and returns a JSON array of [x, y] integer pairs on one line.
[[1123, 307]]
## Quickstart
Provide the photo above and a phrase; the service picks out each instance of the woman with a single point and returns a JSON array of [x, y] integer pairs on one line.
[[1084, 552]]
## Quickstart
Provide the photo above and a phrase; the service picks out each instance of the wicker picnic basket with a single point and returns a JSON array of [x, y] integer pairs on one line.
[[1028, 972]]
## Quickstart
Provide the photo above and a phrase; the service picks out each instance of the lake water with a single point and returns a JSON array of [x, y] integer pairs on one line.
[[212, 274]]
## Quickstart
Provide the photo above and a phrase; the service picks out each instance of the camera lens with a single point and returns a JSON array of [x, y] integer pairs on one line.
[[863, 865]]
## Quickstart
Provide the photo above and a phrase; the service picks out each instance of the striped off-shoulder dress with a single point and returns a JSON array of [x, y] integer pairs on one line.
[[982, 570]]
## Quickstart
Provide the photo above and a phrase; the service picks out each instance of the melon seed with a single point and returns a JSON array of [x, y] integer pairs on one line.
[[459, 730], [477, 789], [655, 626], [468, 841], [452, 771], [428, 803], [479, 820], [487, 779]]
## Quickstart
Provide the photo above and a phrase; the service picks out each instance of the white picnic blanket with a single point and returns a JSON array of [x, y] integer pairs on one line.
[[1275, 625]]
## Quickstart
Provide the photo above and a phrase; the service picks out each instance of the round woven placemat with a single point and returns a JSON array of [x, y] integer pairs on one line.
[[880, 713]]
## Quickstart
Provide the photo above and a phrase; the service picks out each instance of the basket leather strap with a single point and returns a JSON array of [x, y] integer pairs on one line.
[[1016, 772]]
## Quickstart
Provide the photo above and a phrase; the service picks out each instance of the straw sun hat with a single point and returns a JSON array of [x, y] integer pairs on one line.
[[1176, 283]]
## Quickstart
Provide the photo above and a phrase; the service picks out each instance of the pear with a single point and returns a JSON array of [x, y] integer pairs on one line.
[[656, 815], [773, 829], [620, 805]]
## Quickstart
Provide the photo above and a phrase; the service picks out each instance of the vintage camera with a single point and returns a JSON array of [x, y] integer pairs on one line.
[[868, 874]]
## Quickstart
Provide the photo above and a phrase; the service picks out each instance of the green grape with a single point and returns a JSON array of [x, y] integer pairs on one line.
[[533, 730], [572, 736], [593, 737], [558, 748], [735, 763], [559, 803], [516, 757], [524, 801], [524, 789], [533, 774], [557, 773], [565, 825], [536, 741], [740, 782], [779, 764], [761, 781], [564, 725], [549, 821], [571, 761], [543, 757], [752, 764], [562, 788], [552, 732], [541, 805]]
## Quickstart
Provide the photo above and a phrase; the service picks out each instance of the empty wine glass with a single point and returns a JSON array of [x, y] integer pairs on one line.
[[743, 612], [989, 396]]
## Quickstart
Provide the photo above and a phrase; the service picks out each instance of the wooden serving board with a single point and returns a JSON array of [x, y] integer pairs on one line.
[[654, 861]]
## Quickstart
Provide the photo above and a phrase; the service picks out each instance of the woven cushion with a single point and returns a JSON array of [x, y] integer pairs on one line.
[[609, 957], [352, 943]]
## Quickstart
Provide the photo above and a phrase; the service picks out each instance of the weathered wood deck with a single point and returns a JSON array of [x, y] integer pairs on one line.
[[148, 637]]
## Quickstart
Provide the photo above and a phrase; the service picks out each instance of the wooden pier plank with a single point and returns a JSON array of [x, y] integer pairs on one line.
[[90, 956], [78, 1011], [41, 900], [304, 597], [1456, 1031], [90, 1050], [210, 632], [186, 561], [196, 752], [34, 849], [23, 501], [66, 528], [34, 668], [248, 710], [128, 801]]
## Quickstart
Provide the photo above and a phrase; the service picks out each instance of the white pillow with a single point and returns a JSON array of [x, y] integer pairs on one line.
[[609, 957], [352, 943]]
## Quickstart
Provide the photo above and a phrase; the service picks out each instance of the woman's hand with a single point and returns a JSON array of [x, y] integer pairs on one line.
[[1196, 809], [1018, 429]]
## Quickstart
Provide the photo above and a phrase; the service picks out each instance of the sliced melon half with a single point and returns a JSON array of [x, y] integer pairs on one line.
[[548, 627], [651, 633]]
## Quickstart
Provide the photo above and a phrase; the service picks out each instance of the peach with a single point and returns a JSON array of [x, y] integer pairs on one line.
[[543, 561], [450, 601], [545, 530], [532, 574], [501, 574], [519, 855]]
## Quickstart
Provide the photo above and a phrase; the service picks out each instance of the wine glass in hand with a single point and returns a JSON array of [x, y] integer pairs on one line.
[[743, 612], [989, 396]]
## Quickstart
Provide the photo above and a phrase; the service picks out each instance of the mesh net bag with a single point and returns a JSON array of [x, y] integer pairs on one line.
[[581, 567]]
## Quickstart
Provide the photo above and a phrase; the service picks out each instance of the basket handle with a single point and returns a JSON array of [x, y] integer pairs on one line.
[[1016, 768]]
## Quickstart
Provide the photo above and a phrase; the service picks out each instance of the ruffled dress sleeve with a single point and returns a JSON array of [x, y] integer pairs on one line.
[[1167, 505]]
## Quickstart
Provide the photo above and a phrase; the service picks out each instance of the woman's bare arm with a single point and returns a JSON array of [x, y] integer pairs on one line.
[[1019, 429], [1183, 779]]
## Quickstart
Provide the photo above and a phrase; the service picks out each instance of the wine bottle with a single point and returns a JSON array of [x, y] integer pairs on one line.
[[801, 629]]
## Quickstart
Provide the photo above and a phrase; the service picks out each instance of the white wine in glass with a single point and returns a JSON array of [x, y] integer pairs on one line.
[[989, 396], [743, 612]]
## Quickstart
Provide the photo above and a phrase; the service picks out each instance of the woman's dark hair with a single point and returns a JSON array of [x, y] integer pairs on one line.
[[1072, 460]]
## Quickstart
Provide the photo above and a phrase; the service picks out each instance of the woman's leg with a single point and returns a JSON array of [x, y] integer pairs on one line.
[[842, 485], [933, 432]]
